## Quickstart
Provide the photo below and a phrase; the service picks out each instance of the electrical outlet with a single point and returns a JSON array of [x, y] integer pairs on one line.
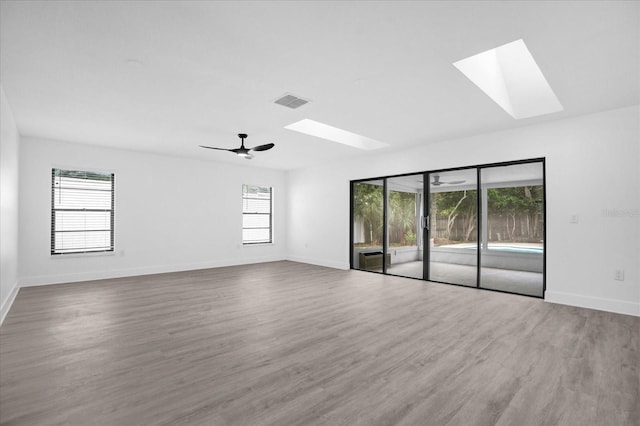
[[619, 275]]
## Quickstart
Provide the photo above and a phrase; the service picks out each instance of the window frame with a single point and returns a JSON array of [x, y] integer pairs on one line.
[[270, 214], [111, 211]]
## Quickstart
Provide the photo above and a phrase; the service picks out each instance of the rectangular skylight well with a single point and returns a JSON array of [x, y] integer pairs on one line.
[[511, 77], [324, 131]]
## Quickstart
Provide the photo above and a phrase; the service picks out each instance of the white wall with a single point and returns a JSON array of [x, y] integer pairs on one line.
[[178, 214], [592, 170], [171, 214], [9, 141]]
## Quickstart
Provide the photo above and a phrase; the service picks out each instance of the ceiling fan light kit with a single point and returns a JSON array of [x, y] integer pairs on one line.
[[243, 151]]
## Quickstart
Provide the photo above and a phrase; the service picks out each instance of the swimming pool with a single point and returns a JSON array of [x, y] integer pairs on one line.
[[516, 249], [528, 249]]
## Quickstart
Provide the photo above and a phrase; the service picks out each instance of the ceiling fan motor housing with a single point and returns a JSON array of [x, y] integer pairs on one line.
[[243, 151]]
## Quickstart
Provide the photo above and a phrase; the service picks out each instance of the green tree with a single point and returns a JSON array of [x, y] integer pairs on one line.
[[520, 204], [456, 207], [367, 207], [368, 204], [402, 217]]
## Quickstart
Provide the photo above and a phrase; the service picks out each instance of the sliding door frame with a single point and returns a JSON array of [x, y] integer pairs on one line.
[[544, 220], [426, 231], [479, 229], [385, 232]]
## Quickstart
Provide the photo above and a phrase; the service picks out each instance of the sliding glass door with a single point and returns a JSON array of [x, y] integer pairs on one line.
[[404, 231], [480, 226], [367, 228], [453, 230], [513, 228]]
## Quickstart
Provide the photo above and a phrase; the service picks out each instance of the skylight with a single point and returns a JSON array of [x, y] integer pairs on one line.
[[511, 77], [324, 131]]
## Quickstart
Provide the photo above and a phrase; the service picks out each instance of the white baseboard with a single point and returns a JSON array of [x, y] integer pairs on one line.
[[319, 262], [132, 272], [601, 304], [609, 305], [6, 305]]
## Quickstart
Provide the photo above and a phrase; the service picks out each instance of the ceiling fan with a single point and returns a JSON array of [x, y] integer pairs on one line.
[[438, 182], [243, 151]]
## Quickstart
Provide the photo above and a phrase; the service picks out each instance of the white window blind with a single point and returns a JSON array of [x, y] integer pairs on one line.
[[257, 214], [82, 212]]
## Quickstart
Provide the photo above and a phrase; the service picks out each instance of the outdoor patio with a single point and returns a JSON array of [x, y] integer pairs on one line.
[[523, 282]]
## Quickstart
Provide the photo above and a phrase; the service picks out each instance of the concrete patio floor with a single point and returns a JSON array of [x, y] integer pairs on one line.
[[521, 282]]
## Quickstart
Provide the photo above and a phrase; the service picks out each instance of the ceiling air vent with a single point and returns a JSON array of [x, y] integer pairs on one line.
[[291, 101]]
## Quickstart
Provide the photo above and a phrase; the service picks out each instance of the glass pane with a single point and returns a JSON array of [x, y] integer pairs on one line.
[[256, 206], [250, 236], [67, 242], [367, 225], [404, 233], [513, 228], [453, 229], [256, 220], [82, 203], [76, 221], [257, 211], [72, 193]]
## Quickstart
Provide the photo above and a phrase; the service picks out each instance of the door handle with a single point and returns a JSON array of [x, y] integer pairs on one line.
[[425, 222]]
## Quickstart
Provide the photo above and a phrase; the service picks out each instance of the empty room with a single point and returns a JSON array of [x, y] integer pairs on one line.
[[320, 213]]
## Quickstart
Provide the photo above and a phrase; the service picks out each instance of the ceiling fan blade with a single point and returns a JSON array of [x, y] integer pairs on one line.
[[242, 151], [262, 147], [455, 182], [219, 149]]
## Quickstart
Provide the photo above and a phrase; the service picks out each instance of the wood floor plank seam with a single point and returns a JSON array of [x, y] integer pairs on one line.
[[286, 343]]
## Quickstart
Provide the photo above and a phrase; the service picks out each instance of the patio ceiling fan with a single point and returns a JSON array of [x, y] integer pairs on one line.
[[243, 151], [438, 182]]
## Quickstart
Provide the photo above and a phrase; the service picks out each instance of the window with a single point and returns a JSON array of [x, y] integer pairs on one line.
[[257, 214], [81, 211]]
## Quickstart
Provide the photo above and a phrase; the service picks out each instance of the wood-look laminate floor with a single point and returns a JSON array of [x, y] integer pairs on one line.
[[285, 343]]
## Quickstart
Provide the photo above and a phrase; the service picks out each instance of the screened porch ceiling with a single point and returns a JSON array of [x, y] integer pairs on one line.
[[492, 177]]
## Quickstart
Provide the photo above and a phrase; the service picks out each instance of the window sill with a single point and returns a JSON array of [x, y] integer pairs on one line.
[[83, 255]]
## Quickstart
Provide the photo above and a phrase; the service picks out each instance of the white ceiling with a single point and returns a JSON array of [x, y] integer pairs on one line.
[[168, 76]]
